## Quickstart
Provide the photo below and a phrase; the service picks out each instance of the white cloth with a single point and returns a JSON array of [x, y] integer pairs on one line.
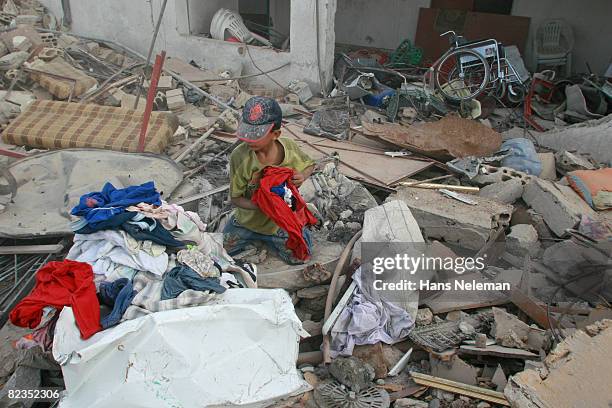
[[106, 250]]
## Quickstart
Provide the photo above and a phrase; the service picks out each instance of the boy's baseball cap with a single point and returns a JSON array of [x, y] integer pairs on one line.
[[259, 115]]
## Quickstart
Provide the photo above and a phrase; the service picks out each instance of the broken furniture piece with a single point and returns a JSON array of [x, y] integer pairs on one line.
[[63, 125]]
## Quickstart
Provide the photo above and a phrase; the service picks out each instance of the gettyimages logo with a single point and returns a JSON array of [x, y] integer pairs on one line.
[[412, 264], [392, 269]]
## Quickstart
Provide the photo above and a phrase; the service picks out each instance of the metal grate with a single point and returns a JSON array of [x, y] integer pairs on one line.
[[334, 395], [17, 277]]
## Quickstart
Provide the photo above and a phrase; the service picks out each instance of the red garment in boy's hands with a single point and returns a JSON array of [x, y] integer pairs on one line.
[[274, 206]]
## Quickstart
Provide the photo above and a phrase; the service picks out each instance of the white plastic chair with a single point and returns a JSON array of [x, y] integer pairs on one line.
[[228, 20], [553, 44]]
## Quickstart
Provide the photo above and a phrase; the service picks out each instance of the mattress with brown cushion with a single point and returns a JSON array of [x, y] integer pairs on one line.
[[62, 125]]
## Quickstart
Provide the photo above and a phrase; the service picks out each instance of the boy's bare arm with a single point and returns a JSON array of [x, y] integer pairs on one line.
[[299, 178]]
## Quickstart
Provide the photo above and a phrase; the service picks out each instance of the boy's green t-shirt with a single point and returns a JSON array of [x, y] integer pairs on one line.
[[243, 164]]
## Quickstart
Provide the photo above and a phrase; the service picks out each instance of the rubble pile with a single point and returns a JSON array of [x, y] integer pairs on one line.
[[406, 167]]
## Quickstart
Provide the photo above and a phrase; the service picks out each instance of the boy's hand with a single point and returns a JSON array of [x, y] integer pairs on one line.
[[255, 178], [298, 178]]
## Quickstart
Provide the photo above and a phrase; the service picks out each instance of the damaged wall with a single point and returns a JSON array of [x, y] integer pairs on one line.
[[590, 21], [382, 23], [132, 24]]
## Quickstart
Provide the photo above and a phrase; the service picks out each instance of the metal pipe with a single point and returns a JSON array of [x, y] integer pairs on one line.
[[150, 53], [332, 290], [434, 186], [157, 68]]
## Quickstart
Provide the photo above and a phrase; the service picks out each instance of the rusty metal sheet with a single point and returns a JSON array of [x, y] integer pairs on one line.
[[450, 137]]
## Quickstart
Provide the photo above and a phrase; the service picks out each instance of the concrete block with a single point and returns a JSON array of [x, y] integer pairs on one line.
[[491, 174], [506, 192], [559, 205], [444, 218], [175, 99]]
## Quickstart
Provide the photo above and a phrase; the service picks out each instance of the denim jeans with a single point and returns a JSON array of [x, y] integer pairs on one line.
[[237, 238]]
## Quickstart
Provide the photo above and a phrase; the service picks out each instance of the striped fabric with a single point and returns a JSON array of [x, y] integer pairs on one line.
[[61, 88], [63, 125]]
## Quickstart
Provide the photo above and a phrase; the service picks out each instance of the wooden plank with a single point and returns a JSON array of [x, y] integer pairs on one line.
[[460, 388], [498, 351], [532, 309], [363, 163]]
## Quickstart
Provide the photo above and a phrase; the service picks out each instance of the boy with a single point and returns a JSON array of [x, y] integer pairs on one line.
[[262, 147]]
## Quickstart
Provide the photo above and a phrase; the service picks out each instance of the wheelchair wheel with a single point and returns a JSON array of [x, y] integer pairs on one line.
[[462, 75], [516, 93]]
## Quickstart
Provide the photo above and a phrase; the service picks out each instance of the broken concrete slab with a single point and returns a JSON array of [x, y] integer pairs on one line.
[[506, 192], [591, 137], [509, 331], [523, 240], [581, 362], [393, 222], [568, 161], [456, 370], [559, 205], [444, 218]]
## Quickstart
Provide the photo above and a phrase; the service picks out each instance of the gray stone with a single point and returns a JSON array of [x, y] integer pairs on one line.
[[410, 403], [424, 317], [345, 214], [506, 192], [483, 404], [380, 381], [435, 403], [559, 205], [523, 240], [352, 372]]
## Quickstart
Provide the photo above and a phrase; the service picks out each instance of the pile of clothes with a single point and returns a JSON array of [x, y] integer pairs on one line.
[[133, 254]]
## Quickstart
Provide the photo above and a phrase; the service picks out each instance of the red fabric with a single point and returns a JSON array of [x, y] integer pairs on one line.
[[59, 284], [274, 206]]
